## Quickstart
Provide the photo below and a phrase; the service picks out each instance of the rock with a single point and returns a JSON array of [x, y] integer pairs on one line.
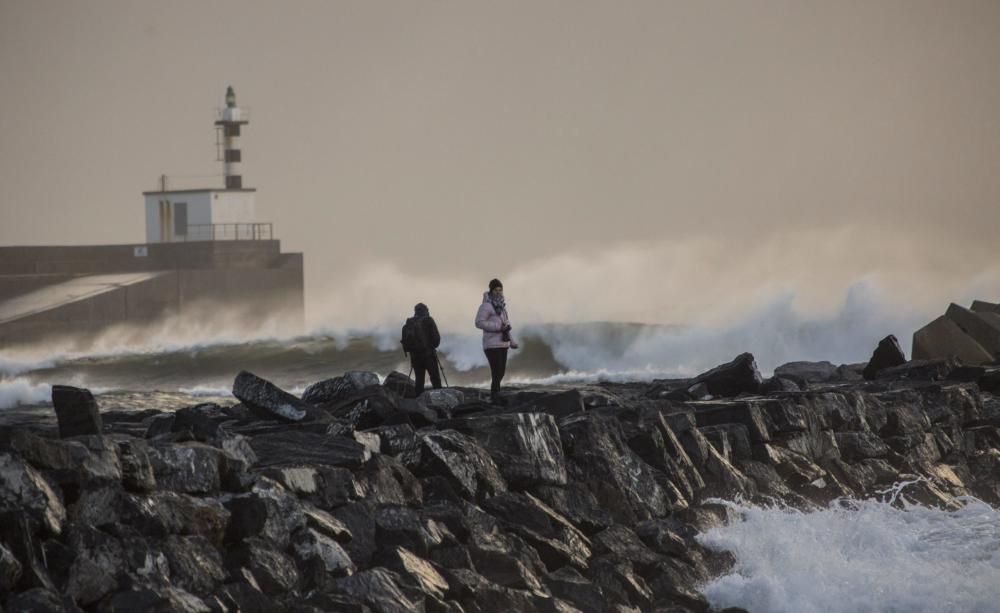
[[401, 442], [943, 338], [76, 411], [855, 446], [557, 405], [10, 570], [568, 584], [419, 572], [461, 460], [156, 599], [195, 564], [405, 527], [400, 384], [732, 412], [201, 421], [98, 559], [444, 399], [359, 518], [266, 399], [191, 468], [370, 410], [298, 448], [620, 583], [320, 557], [660, 536], [733, 378], [268, 512], [24, 490], [384, 480], [338, 388], [327, 524], [335, 487], [622, 543], [380, 589], [886, 355], [525, 446], [136, 465], [164, 513], [920, 370], [160, 425], [274, 571], [734, 438], [557, 541], [813, 372], [777, 385], [35, 600], [577, 504], [615, 474], [71, 464]]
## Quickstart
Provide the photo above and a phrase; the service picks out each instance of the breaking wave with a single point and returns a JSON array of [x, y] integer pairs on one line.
[[20, 391], [859, 557]]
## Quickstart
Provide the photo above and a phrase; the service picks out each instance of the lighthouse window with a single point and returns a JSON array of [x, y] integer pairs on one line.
[[232, 129], [233, 155], [180, 218]]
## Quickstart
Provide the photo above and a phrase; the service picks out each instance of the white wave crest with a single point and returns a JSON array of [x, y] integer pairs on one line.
[[860, 557], [19, 391]]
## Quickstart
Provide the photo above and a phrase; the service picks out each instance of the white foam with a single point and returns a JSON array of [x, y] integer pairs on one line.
[[18, 391], [860, 557]]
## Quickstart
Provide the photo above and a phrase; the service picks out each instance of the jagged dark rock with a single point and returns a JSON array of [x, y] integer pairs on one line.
[[338, 388], [266, 399], [76, 411], [731, 379], [886, 355]]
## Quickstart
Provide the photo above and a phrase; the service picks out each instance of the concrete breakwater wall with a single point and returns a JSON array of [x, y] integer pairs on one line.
[[60, 291], [356, 497]]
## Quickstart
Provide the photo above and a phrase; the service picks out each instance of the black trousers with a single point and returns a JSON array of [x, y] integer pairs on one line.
[[425, 363], [498, 366]]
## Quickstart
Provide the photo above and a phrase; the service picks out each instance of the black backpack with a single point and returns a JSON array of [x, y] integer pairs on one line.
[[414, 338]]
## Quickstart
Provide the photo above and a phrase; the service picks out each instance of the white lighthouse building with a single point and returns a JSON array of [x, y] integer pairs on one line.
[[209, 213]]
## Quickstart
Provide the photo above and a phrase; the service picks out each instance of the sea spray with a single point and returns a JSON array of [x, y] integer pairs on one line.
[[859, 556], [20, 391]]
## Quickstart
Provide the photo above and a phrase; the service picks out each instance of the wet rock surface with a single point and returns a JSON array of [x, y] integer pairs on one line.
[[358, 499]]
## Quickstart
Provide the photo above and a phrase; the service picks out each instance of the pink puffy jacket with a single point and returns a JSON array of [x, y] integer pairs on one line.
[[490, 323]]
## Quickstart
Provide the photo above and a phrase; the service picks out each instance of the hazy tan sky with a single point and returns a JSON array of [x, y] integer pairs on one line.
[[757, 144]]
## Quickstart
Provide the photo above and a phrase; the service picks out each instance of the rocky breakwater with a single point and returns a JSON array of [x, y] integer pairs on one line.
[[354, 498]]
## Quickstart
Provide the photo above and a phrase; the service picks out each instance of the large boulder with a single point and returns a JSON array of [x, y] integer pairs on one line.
[[731, 379], [338, 388], [192, 468], [462, 461], [266, 399], [24, 490], [813, 372], [886, 355], [525, 446], [383, 590], [599, 456], [76, 411], [557, 541], [299, 447]]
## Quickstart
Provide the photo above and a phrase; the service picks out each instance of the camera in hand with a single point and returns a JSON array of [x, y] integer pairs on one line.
[[505, 333]]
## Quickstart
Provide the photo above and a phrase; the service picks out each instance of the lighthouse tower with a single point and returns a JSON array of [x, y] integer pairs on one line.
[[209, 214], [230, 120]]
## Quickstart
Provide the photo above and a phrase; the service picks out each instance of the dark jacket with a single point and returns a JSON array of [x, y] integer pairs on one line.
[[426, 327]]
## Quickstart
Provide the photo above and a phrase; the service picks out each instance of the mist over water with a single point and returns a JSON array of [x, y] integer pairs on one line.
[[859, 557], [187, 356]]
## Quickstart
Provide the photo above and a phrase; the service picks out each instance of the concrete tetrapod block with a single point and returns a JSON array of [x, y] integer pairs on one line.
[[986, 333], [942, 338], [981, 306]]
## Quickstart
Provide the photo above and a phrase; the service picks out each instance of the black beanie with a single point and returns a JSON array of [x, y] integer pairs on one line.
[[421, 309], [495, 283]]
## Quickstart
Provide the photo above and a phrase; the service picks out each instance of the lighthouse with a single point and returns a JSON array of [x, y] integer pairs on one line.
[[231, 118], [213, 213]]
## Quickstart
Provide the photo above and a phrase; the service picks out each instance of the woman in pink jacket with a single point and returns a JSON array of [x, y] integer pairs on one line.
[[492, 319]]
